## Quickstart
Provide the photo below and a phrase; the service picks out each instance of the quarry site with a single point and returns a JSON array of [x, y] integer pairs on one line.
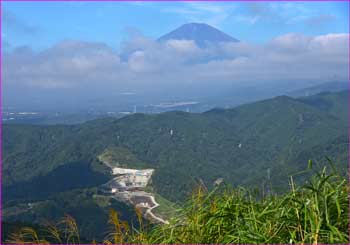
[[128, 186]]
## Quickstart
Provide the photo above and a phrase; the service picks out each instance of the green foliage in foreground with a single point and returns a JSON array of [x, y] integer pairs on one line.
[[314, 213]]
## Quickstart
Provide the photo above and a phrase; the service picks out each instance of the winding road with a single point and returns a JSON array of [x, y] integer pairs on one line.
[[149, 211], [137, 198]]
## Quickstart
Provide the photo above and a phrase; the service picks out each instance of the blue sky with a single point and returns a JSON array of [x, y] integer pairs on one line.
[[92, 50], [42, 24]]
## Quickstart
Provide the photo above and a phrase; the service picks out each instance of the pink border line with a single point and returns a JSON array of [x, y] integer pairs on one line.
[[174, 1], [0, 122], [348, 175]]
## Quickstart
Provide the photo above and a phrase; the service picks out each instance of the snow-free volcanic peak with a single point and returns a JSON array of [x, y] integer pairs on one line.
[[202, 34]]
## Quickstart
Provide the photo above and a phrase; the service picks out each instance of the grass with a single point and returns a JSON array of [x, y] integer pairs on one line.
[[316, 212], [166, 209]]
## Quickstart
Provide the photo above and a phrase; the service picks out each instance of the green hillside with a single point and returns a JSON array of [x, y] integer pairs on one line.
[[314, 213], [240, 145]]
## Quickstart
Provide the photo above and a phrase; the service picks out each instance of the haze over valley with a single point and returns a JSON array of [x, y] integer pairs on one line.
[[212, 70], [175, 122]]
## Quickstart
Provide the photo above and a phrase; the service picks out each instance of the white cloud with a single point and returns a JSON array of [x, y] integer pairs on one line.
[[146, 63], [284, 13], [182, 46]]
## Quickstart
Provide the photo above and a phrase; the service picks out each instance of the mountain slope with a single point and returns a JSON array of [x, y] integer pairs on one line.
[[183, 144], [335, 104], [239, 145], [201, 33]]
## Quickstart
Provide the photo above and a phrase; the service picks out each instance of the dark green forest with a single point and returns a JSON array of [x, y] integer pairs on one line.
[[256, 145]]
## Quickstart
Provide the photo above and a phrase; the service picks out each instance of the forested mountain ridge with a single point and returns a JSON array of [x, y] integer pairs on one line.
[[58, 168], [181, 145]]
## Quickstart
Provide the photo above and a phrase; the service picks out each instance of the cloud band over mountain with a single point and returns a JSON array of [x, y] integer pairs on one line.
[[142, 62]]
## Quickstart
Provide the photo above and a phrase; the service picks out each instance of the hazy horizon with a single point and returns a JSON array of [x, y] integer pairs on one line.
[[80, 56]]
